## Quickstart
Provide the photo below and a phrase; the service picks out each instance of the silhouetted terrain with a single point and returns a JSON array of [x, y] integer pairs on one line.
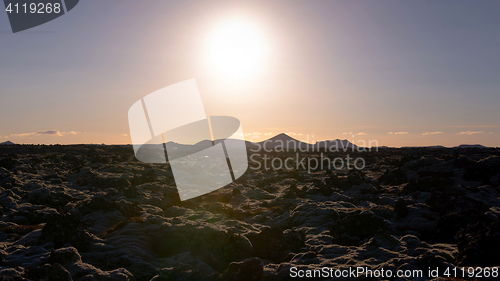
[[85, 212]]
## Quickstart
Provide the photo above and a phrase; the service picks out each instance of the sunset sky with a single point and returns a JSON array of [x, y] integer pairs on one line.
[[403, 73]]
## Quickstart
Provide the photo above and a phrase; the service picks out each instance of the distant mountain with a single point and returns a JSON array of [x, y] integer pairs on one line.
[[471, 146], [228, 143], [334, 145], [7, 143], [430, 146], [278, 143], [284, 142]]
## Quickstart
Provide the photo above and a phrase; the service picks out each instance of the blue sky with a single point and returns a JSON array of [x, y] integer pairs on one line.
[[426, 71]]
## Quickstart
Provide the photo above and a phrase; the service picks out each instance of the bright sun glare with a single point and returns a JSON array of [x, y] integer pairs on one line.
[[236, 49]]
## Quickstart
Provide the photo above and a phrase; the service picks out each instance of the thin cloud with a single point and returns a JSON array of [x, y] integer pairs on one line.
[[46, 132], [390, 133], [253, 134], [358, 134], [431, 133], [401, 133], [471, 133], [475, 126], [258, 134], [23, 134]]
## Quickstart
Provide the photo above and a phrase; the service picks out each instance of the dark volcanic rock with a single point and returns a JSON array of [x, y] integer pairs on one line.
[[64, 255], [184, 272], [355, 228], [444, 203], [294, 240], [448, 225], [53, 272], [430, 260], [313, 214], [13, 274], [128, 209], [401, 208], [9, 161], [7, 178], [149, 175], [479, 245], [482, 170], [66, 228], [411, 208], [45, 197], [247, 270], [132, 192], [393, 177], [214, 247], [426, 184], [269, 243]]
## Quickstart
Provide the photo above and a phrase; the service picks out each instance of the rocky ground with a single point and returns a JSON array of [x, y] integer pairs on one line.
[[96, 213]]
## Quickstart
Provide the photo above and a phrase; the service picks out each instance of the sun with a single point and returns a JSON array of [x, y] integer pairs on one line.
[[236, 49]]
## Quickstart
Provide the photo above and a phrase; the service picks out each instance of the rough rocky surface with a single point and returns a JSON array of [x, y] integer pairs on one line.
[[96, 213]]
